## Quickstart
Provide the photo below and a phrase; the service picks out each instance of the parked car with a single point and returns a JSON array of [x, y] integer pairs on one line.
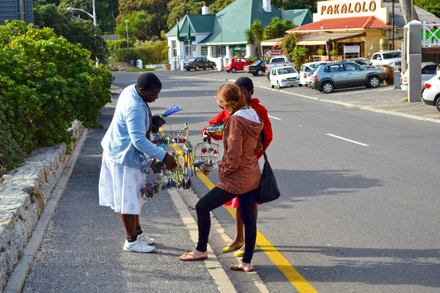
[[307, 69], [391, 58], [283, 77], [431, 94], [237, 63], [198, 63], [279, 61], [256, 68], [346, 74], [428, 71], [360, 61]]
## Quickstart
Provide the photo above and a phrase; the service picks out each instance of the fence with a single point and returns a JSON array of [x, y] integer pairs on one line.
[[430, 35]]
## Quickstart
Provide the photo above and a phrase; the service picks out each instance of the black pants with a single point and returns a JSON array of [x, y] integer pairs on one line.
[[217, 197]]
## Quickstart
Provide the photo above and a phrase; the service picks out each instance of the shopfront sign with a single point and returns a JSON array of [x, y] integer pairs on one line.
[[350, 8], [352, 49], [269, 53]]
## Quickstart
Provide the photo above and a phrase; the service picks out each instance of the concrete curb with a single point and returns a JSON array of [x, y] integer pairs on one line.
[[19, 275]]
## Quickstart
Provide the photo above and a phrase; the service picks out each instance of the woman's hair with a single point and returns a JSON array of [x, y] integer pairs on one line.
[[232, 95]]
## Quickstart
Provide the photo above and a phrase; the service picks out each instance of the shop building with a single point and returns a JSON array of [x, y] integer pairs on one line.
[[355, 28], [222, 35]]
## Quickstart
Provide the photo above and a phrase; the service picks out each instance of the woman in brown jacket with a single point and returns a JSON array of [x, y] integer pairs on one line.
[[239, 174]]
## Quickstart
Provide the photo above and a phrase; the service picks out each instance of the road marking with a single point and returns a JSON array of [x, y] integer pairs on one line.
[[273, 117], [346, 139], [272, 253]]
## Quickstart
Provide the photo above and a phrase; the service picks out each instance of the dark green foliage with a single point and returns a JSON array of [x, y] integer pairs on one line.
[[45, 84], [77, 31], [148, 52]]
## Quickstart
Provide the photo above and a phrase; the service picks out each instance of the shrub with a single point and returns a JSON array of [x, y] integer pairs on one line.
[[149, 52], [45, 84], [320, 51]]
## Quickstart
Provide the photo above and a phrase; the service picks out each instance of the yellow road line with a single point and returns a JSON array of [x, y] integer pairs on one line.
[[272, 253]]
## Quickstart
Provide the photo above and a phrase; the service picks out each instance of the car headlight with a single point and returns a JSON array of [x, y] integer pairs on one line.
[[283, 80]]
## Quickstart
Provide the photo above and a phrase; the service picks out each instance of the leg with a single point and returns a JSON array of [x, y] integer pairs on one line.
[[247, 210], [213, 199], [243, 247], [129, 222], [239, 227]]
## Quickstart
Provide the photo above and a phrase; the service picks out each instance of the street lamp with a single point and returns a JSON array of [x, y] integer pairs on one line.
[[126, 28], [93, 16]]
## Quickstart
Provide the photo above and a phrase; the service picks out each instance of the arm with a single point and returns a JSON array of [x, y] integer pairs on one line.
[[135, 120], [220, 118], [232, 156], [267, 128]]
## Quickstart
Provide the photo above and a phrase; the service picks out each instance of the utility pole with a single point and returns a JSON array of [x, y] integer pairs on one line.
[[22, 7], [408, 11]]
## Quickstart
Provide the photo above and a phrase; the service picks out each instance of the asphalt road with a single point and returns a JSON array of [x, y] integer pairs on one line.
[[359, 206]]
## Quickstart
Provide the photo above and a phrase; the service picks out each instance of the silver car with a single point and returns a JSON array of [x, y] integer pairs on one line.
[[345, 74]]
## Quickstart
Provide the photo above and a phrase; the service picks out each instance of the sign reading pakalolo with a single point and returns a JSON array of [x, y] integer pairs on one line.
[[350, 8], [269, 53]]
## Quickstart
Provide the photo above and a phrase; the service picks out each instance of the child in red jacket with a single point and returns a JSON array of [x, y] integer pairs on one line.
[[247, 87]]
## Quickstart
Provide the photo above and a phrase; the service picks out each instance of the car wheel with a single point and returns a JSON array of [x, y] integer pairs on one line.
[[437, 103], [213, 66], [327, 87], [204, 68], [373, 81], [234, 70], [270, 84], [197, 68], [228, 71], [278, 85], [260, 72]]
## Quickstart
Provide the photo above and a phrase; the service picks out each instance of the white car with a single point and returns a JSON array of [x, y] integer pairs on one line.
[[428, 71], [391, 58], [307, 69], [283, 77], [431, 94]]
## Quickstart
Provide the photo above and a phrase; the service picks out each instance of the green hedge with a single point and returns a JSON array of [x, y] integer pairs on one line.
[[149, 52], [45, 84]]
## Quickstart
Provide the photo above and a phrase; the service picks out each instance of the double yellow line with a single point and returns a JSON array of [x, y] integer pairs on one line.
[[274, 255]]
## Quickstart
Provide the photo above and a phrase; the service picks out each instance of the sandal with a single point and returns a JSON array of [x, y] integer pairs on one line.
[[241, 267], [232, 248], [189, 256], [240, 253]]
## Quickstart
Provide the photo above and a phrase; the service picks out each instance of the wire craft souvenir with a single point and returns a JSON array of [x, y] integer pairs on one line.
[[205, 156]]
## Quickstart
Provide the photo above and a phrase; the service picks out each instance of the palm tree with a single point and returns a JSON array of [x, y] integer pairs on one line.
[[257, 29], [250, 37]]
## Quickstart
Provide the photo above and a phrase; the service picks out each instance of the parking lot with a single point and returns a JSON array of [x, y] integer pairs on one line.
[[384, 99]]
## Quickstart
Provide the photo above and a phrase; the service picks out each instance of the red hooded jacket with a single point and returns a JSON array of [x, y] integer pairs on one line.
[[262, 114]]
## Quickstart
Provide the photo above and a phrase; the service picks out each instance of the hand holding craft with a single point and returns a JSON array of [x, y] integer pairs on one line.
[[169, 161]]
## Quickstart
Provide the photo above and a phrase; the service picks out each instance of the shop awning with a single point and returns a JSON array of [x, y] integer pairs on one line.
[[271, 43], [323, 38]]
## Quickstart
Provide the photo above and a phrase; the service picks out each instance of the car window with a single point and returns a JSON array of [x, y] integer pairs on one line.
[[429, 69], [351, 67], [391, 55], [274, 72], [376, 57], [277, 60], [333, 68], [286, 70]]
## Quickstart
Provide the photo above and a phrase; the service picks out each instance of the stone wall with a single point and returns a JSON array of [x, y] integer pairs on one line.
[[24, 193]]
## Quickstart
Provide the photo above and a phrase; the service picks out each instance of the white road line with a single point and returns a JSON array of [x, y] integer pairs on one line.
[[346, 139], [273, 117]]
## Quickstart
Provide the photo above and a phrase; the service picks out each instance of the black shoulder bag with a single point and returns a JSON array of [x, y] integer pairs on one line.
[[268, 190]]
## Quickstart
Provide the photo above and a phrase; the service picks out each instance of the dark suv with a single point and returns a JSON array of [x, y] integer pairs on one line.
[[198, 63]]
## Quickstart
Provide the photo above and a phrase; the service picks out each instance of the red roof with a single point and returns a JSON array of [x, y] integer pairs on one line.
[[362, 22]]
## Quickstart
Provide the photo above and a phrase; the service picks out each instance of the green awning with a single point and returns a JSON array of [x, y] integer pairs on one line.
[[238, 47]]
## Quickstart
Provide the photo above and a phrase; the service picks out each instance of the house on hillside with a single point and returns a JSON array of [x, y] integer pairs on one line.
[[16, 9], [222, 35]]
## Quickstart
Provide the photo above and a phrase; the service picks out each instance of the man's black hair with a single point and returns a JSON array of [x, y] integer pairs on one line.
[[148, 81], [245, 82]]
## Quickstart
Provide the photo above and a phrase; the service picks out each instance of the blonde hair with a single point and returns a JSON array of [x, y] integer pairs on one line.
[[233, 96]]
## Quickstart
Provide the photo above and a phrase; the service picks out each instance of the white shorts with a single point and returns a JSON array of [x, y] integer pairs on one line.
[[120, 187]]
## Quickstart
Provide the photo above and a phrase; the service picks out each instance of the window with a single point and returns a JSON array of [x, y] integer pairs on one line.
[[351, 67], [173, 49], [392, 55], [333, 68], [376, 57], [187, 45], [429, 69], [204, 50]]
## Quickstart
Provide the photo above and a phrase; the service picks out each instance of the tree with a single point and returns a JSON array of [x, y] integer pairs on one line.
[[106, 11], [219, 5], [257, 29], [78, 31], [429, 5], [250, 37], [179, 10], [288, 44], [156, 9], [139, 26]]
